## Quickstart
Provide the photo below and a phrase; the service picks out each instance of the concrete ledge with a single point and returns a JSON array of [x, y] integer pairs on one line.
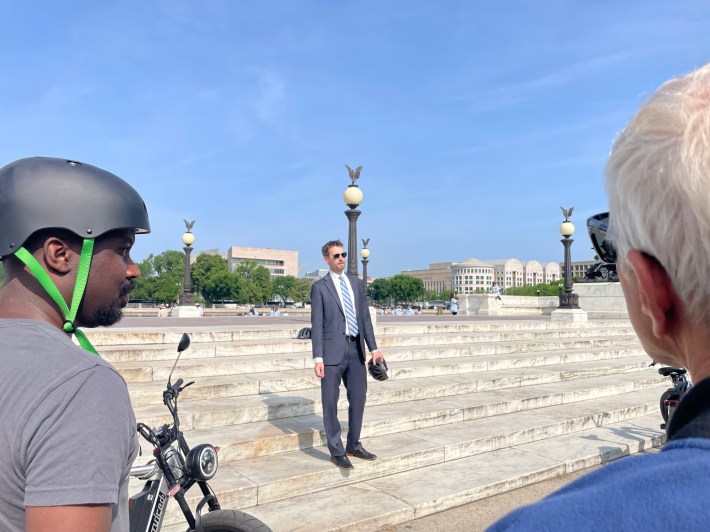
[[602, 300], [186, 311], [488, 305], [569, 314]]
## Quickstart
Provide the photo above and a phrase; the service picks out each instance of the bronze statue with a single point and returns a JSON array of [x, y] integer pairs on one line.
[[189, 225], [354, 174], [567, 213]]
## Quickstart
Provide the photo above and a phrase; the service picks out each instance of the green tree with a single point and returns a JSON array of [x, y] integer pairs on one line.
[[145, 284], [302, 290], [257, 282], [284, 287], [551, 289], [380, 290], [405, 288], [161, 277], [222, 285], [204, 269]]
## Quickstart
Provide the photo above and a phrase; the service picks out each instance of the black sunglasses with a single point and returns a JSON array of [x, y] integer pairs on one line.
[[603, 245], [338, 255]]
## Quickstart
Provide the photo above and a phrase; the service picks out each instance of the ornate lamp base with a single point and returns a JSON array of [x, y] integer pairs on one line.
[[570, 300]]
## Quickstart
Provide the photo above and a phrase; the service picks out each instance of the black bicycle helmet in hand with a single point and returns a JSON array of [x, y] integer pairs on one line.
[[378, 371]]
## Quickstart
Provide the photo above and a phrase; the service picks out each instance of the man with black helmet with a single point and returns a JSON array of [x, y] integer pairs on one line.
[[67, 429], [341, 327]]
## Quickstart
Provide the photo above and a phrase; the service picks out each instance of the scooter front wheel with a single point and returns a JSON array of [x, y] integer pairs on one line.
[[232, 521]]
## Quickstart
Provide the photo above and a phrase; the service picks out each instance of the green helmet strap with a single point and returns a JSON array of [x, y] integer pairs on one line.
[[87, 251]]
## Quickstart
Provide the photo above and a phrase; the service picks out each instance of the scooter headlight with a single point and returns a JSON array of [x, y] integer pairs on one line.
[[202, 461]]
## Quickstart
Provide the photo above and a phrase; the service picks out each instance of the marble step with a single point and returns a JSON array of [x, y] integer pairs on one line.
[[167, 352], [121, 336], [257, 484], [430, 327], [263, 438], [272, 373], [392, 499], [207, 413], [225, 364], [118, 335]]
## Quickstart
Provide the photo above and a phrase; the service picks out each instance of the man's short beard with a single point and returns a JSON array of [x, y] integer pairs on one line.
[[112, 313], [106, 316]]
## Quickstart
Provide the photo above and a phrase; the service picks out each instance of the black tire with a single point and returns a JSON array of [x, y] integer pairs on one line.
[[232, 521], [664, 408]]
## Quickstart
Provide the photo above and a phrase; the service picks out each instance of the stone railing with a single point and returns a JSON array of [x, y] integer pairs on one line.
[[488, 305]]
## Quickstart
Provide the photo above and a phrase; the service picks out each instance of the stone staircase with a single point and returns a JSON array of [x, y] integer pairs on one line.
[[472, 409]]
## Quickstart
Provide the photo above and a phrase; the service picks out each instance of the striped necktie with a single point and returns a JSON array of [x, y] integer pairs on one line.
[[349, 308]]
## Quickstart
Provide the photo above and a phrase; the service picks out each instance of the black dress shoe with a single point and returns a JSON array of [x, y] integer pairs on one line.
[[341, 461], [362, 454]]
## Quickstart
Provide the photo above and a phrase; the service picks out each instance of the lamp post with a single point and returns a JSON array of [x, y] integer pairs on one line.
[[365, 254], [352, 198], [187, 297], [568, 299]]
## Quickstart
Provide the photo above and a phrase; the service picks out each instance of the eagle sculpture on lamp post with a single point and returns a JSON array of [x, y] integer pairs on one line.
[[567, 213], [354, 174]]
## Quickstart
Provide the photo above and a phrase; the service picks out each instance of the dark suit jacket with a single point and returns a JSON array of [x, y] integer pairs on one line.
[[328, 320]]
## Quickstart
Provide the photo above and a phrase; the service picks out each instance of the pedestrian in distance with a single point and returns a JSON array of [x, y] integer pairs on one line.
[[67, 429], [340, 329], [495, 290], [657, 231], [454, 305]]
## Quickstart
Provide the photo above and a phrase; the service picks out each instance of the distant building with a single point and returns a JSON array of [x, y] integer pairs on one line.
[[215, 252], [552, 272], [473, 275], [509, 273], [279, 262], [437, 278], [317, 274], [579, 268]]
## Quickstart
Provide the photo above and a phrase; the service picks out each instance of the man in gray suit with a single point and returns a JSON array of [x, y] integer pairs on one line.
[[340, 328]]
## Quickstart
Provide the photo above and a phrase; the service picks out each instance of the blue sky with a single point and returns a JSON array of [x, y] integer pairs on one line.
[[474, 121]]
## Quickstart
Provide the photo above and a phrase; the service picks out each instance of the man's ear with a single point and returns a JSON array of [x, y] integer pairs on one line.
[[58, 255], [657, 297]]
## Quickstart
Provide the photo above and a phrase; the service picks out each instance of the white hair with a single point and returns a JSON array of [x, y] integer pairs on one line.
[[658, 182]]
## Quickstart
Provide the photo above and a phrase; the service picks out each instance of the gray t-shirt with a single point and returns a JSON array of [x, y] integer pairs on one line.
[[67, 430]]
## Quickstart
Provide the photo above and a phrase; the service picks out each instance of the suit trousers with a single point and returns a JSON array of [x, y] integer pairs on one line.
[[351, 371]]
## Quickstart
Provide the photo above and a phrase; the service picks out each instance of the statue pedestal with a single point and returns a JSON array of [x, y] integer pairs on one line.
[[186, 311], [569, 315]]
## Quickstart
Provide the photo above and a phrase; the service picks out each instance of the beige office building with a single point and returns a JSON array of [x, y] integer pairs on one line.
[[436, 278], [279, 262], [473, 275], [579, 268]]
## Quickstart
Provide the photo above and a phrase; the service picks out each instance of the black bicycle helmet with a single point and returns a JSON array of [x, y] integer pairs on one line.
[[46, 193], [378, 371], [43, 192]]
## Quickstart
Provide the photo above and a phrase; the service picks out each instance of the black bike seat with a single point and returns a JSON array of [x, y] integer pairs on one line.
[[669, 371]]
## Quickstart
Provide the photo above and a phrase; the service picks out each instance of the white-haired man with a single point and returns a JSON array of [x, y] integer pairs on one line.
[[658, 183]]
